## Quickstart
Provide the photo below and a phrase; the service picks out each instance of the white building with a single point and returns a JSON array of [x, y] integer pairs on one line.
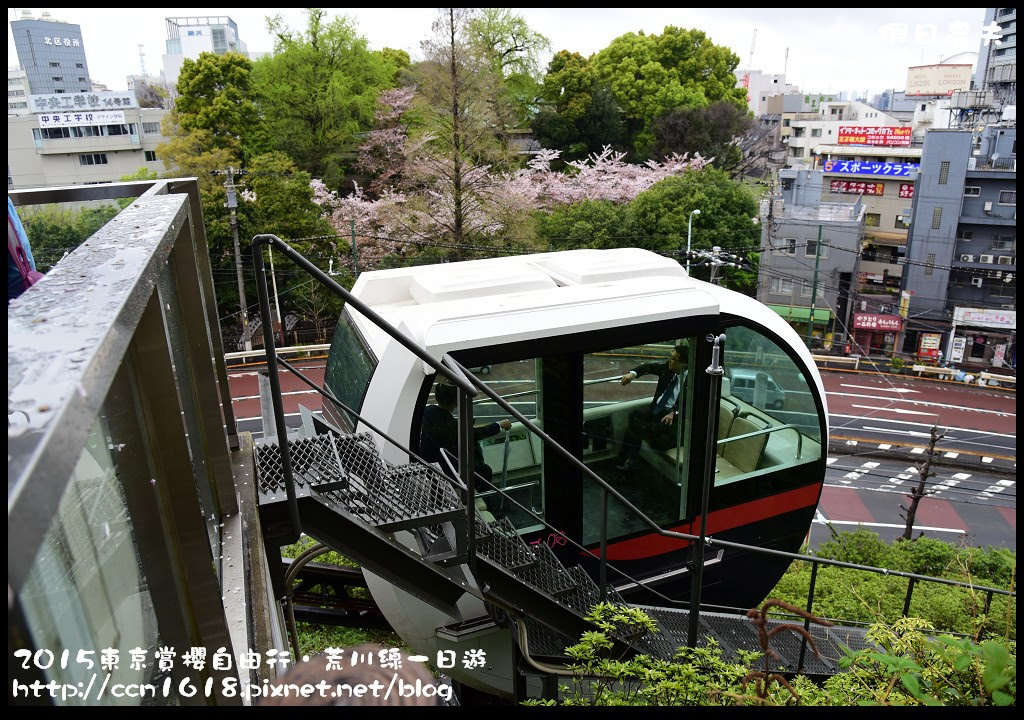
[[761, 86], [81, 139], [188, 37], [17, 91], [809, 132]]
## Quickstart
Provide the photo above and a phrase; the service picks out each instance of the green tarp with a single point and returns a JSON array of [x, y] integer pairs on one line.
[[801, 314]]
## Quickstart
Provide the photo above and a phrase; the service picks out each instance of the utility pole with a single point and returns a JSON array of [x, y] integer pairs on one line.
[[814, 291], [229, 186], [714, 264], [355, 253], [924, 471]]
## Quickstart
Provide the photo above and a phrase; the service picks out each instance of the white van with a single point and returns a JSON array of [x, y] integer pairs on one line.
[[744, 380]]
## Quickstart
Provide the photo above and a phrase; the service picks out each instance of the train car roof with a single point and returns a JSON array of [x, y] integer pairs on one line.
[[477, 303]]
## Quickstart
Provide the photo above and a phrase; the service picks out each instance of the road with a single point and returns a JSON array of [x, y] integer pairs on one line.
[[879, 428]]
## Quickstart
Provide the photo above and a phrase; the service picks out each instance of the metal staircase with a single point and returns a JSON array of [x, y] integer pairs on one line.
[[355, 501]]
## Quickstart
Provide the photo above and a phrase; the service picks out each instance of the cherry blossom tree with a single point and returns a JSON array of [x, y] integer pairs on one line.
[[425, 213]]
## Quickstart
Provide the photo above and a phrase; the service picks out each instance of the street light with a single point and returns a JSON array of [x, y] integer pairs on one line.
[[689, 232]]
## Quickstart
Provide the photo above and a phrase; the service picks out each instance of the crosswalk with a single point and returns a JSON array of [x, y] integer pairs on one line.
[[958, 486]]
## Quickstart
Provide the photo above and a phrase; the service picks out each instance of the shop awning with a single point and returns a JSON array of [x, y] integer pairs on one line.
[[802, 314]]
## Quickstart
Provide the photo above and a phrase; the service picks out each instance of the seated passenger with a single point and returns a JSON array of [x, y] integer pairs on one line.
[[656, 422], [440, 431]]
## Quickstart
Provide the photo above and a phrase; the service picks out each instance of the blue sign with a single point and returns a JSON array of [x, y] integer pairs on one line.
[[858, 167]]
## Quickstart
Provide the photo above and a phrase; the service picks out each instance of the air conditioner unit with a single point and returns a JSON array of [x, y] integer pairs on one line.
[[988, 206], [1005, 260], [986, 259], [966, 258], [976, 282]]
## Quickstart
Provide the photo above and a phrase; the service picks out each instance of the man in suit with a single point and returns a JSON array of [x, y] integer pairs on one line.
[[656, 422], [440, 431]]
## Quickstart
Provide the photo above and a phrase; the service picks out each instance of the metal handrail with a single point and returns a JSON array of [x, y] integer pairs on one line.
[[769, 430]]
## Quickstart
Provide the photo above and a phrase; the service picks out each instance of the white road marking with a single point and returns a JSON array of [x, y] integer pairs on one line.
[[898, 411], [962, 476], [891, 525], [882, 389], [945, 406]]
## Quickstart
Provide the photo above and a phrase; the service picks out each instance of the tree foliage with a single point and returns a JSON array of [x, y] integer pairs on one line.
[[714, 131], [513, 51], [214, 96], [319, 90], [54, 231], [908, 666], [651, 74], [659, 219], [645, 77]]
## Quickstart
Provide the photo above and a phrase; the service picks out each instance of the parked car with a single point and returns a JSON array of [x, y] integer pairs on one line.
[[744, 380]]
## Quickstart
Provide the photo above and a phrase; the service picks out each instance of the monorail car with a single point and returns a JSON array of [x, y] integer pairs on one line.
[[554, 334]]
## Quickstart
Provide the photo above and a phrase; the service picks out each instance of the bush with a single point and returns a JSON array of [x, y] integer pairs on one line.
[[856, 596]]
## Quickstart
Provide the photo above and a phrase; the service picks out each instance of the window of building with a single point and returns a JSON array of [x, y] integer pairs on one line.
[[781, 286], [80, 66], [797, 152], [81, 79], [923, 107], [54, 64], [872, 219], [93, 159], [150, 156], [929, 264], [936, 218], [972, 191], [812, 248], [902, 222], [798, 132], [1005, 242], [151, 128], [815, 132], [944, 172], [785, 123], [1007, 197], [805, 289], [965, 235], [786, 246], [57, 78]]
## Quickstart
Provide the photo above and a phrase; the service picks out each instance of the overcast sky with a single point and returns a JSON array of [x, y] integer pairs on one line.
[[830, 50]]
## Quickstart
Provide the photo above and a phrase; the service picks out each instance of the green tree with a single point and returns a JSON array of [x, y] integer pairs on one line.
[[713, 131], [396, 62], [513, 51], [318, 91], [54, 231], [278, 199], [658, 218], [461, 133], [589, 224], [214, 95], [651, 74]]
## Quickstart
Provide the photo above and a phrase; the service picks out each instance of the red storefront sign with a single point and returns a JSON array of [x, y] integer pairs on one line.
[[851, 135], [857, 188], [870, 321], [906, 190]]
